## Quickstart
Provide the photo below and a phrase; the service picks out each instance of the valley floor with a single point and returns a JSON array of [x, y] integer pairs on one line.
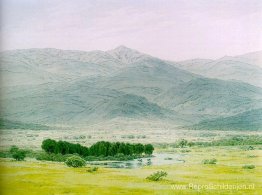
[[32, 139], [36, 177]]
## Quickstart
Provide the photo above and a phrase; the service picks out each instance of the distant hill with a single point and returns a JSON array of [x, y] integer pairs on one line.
[[62, 87], [211, 97], [250, 120], [246, 68]]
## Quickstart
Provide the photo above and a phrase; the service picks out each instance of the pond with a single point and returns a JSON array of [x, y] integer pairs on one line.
[[156, 159]]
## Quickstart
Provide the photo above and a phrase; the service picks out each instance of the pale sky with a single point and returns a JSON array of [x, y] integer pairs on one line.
[[169, 29]]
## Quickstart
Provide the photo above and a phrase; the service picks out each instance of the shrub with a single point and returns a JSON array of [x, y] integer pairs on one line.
[[52, 157], [248, 166], [4, 154], [19, 155], [182, 143], [148, 149], [92, 169], [210, 161], [13, 149], [157, 176], [75, 161]]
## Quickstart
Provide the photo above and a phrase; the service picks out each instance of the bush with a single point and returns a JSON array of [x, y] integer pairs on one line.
[[19, 155], [4, 154], [75, 161], [157, 176], [182, 143], [52, 157], [92, 169], [148, 149], [210, 161], [13, 149], [248, 166]]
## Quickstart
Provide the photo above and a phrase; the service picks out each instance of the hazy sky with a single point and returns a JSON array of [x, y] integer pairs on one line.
[[170, 29]]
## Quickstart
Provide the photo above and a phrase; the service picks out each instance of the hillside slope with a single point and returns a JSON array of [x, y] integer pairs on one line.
[[57, 87], [250, 120], [246, 68]]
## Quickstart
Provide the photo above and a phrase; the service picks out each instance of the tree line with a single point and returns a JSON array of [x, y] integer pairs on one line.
[[101, 148]]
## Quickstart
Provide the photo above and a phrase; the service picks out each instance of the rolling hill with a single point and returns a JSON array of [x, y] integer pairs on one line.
[[211, 97], [250, 120], [245, 68], [63, 87]]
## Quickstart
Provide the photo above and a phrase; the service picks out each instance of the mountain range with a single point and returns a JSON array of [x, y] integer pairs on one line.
[[52, 87]]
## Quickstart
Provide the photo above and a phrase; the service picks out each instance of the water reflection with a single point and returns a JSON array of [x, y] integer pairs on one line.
[[157, 159]]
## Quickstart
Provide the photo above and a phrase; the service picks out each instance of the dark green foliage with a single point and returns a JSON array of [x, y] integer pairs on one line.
[[99, 149], [49, 145], [248, 167], [63, 147], [13, 149], [212, 161], [4, 154], [157, 176], [138, 148], [148, 149], [75, 161], [19, 155]]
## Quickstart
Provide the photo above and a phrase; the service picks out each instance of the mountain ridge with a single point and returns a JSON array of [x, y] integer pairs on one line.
[[57, 87]]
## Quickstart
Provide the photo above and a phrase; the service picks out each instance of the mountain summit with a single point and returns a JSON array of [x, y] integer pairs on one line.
[[127, 55], [63, 87]]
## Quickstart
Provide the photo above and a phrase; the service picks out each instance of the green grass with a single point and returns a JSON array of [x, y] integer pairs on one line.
[[37, 177]]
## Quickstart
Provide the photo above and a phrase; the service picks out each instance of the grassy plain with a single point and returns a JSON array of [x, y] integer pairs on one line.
[[36, 177]]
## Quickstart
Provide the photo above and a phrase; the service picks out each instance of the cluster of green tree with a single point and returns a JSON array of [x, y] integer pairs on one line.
[[17, 153], [63, 147], [101, 148]]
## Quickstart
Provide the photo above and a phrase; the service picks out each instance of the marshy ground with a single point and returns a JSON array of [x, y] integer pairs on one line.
[[190, 177]]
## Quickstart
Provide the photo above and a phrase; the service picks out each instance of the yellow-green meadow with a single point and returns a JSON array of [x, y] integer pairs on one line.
[[227, 176]]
